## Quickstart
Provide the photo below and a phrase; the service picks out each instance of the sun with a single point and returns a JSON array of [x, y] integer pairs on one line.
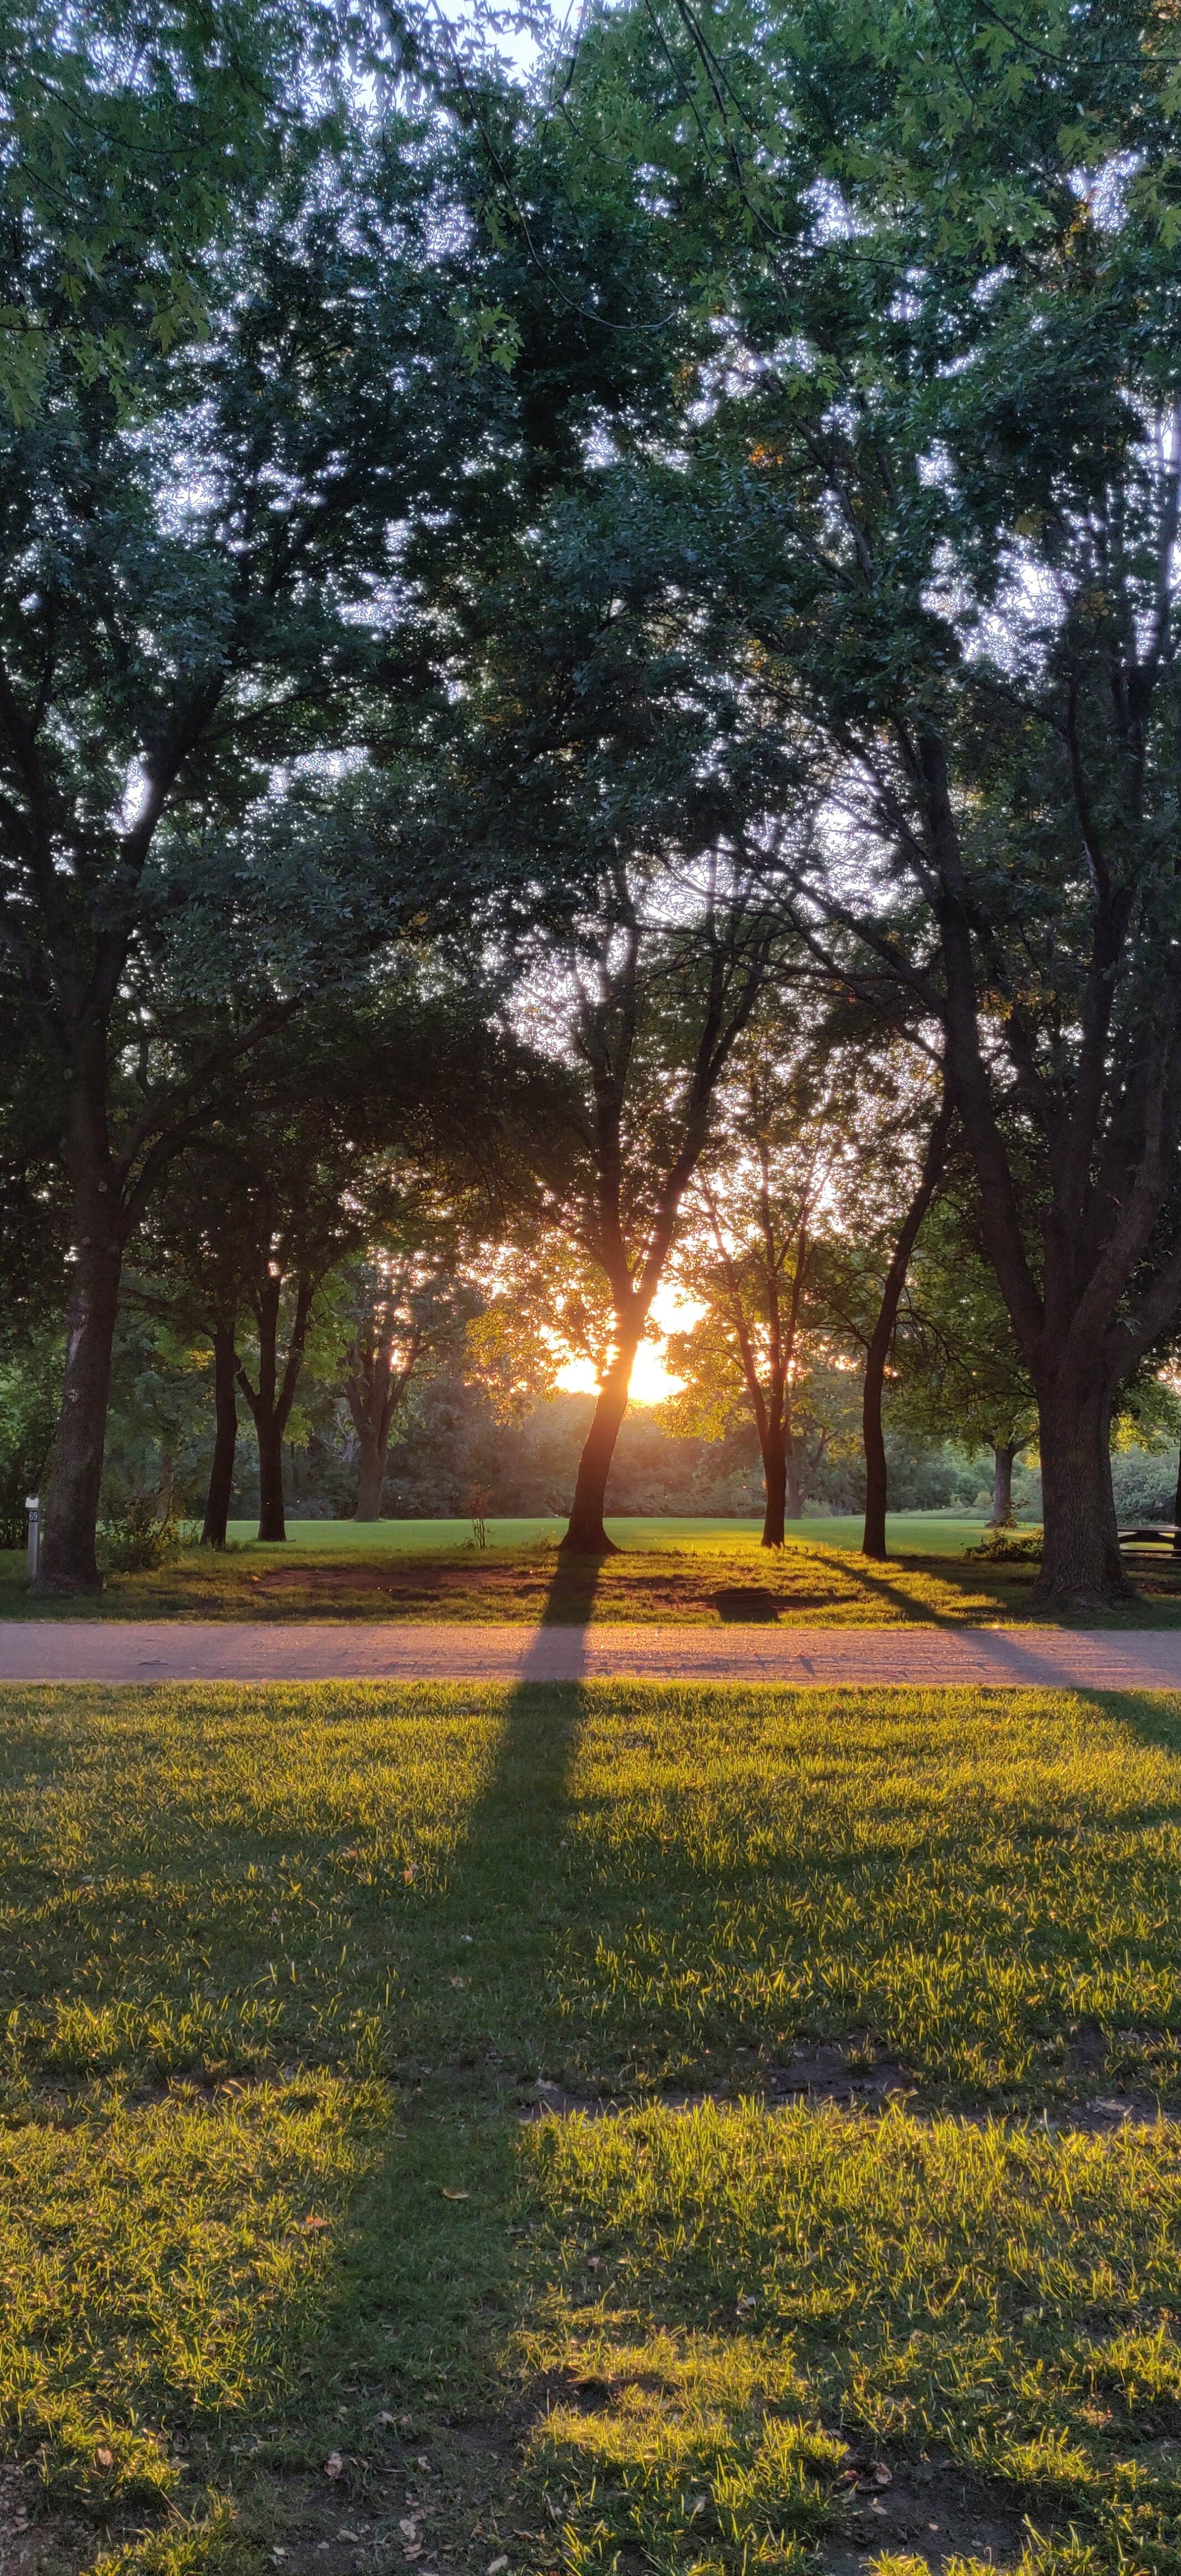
[[651, 1381]]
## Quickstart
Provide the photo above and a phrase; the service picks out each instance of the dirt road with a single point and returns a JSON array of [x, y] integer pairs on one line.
[[78, 1650]]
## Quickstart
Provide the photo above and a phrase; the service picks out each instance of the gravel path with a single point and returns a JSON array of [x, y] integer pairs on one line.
[[84, 1650]]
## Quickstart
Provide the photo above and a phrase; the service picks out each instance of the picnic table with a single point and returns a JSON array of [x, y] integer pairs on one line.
[[1152, 1545]]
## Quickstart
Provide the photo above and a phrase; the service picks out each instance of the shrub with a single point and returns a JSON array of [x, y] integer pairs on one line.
[[1010, 1547], [133, 1538]]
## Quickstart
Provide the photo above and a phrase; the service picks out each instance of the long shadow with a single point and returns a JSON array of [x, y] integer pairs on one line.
[[432, 2265], [918, 1614], [509, 1865]]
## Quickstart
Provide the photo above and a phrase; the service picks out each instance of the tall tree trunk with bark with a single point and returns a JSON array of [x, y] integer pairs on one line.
[[1003, 1456], [586, 1534], [272, 1501], [1082, 1566], [225, 1437], [271, 1401], [69, 1561], [371, 1458], [873, 1541], [775, 1488]]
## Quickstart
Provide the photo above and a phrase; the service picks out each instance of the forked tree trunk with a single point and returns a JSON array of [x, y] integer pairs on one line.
[[225, 1438], [586, 1535], [69, 1561], [1082, 1568], [1002, 1485], [374, 1391], [271, 1401]]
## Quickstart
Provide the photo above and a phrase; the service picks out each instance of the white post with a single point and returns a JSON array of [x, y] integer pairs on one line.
[[33, 1508]]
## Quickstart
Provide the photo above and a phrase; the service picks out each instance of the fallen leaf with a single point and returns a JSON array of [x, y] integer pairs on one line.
[[495, 2566], [312, 2223], [409, 2530], [342, 2534], [883, 2477], [333, 2465], [457, 1981], [747, 2299], [278, 2553], [594, 2262], [413, 2549], [387, 2419], [875, 2506], [105, 2458], [456, 2195]]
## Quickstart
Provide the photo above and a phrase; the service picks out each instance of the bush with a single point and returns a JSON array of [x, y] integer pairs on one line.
[[1010, 1547], [133, 1538]]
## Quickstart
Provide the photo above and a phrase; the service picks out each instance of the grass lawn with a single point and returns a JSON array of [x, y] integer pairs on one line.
[[703, 1572], [931, 1533], [608, 2128]]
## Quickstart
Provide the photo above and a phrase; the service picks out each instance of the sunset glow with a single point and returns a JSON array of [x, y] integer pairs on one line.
[[651, 1380]]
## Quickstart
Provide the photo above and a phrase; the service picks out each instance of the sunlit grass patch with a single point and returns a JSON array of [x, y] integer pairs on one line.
[[274, 1957], [166, 2262], [664, 1574], [608, 1885], [998, 2295]]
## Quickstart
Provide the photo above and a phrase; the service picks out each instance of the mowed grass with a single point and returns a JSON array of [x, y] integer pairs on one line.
[[695, 1573], [294, 2276], [937, 1533]]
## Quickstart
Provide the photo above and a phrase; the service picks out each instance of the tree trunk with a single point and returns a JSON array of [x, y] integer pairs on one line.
[[1177, 1513], [775, 1484], [271, 1401], [585, 1535], [873, 1541], [1002, 1485], [272, 1521], [372, 1449], [1082, 1568], [225, 1437], [69, 1562]]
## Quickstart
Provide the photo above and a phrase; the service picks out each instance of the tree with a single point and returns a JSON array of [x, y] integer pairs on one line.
[[406, 1308], [778, 1158], [938, 504], [658, 1010], [617, 787], [129, 134], [361, 1152], [959, 1372], [208, 618]]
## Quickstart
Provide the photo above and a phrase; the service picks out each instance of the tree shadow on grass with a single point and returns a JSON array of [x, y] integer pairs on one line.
[[917, 1614], [425, 2295]]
